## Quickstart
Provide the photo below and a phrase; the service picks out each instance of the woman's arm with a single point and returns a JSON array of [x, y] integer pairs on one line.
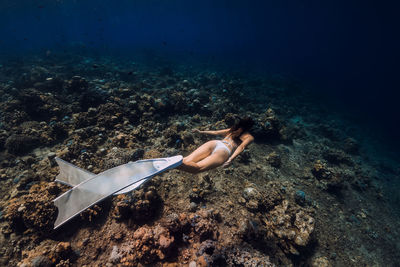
[[220, 132], [246, 141]]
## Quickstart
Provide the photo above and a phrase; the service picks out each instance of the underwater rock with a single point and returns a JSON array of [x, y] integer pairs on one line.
[[173, 136], [337, 157], [274, 159], [290, 226], [294, 131], [251, 230], [263, 200], [19, 144], [253, 197], [32, 211], [50, 84], [320, 262], [201, 189], [230, 119], [51, 157], [140, 205], [152, 154], [82, 120], [206, 247], [197, 227], [178, 101], [137, 154], [53, 188], [115, 256], [118, 156], [34, 75], [147, 204], [90, 214], [122, 209], [31, 101], [49, 253], [3, 138], [193, 206], [11, 119], [109, 114], [203, 228], [360, 182], [268, 127], [62, 254], [244, 256], [333, 181], [41, 106], [199, 99], [76, 84], [197, 195], [41, 261], [120, 140], [147, 245], [25, 179], [305, 226], [300, 197], [45, 133], [320, 170], [11, 106], [245, 156], [188, 139], [92, 98], [175, 223], [141, 133], [58, 131]]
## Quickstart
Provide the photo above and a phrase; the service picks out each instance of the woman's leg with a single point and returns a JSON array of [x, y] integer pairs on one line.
[[189, 162], [201, 152], [214, 160]]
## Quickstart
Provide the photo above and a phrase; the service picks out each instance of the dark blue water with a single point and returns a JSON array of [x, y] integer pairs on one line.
[[345, 50]]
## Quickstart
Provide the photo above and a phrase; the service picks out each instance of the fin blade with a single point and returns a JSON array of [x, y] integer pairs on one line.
[[70, 174]]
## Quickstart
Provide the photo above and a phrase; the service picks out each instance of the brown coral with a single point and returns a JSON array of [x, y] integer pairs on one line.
[[34, 210], [147, 246], [19, 143], [290, 226], [141, 205]]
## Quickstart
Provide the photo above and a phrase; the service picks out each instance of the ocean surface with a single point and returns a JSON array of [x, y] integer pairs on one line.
[[102, 83]]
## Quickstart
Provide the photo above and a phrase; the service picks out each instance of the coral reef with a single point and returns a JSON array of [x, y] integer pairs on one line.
[[308, 192], [51, 254], [159, 242], [19, 144], [34, 210], [268, 126], [139, 205]]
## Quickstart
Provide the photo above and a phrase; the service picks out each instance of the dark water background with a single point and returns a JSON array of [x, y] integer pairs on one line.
[[347, 51]]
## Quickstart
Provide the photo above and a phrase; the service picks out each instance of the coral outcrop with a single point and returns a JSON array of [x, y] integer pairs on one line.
[[309, 191], [33, 211]]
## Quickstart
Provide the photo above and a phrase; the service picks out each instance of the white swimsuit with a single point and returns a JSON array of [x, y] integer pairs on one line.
[[223, 144]]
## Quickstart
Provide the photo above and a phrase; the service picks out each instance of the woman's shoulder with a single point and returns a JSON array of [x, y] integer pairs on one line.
[[224, 132], [246, 135]]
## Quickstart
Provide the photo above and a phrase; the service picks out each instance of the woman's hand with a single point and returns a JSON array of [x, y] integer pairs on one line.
[[227, 163], [196, 130]]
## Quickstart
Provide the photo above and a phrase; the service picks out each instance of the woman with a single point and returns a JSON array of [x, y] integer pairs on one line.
[[219, 152]]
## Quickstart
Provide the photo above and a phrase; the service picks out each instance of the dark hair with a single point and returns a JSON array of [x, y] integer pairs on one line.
[[244, 123]]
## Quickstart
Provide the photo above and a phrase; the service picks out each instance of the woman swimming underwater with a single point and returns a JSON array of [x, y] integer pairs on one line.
[[215, 153]]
